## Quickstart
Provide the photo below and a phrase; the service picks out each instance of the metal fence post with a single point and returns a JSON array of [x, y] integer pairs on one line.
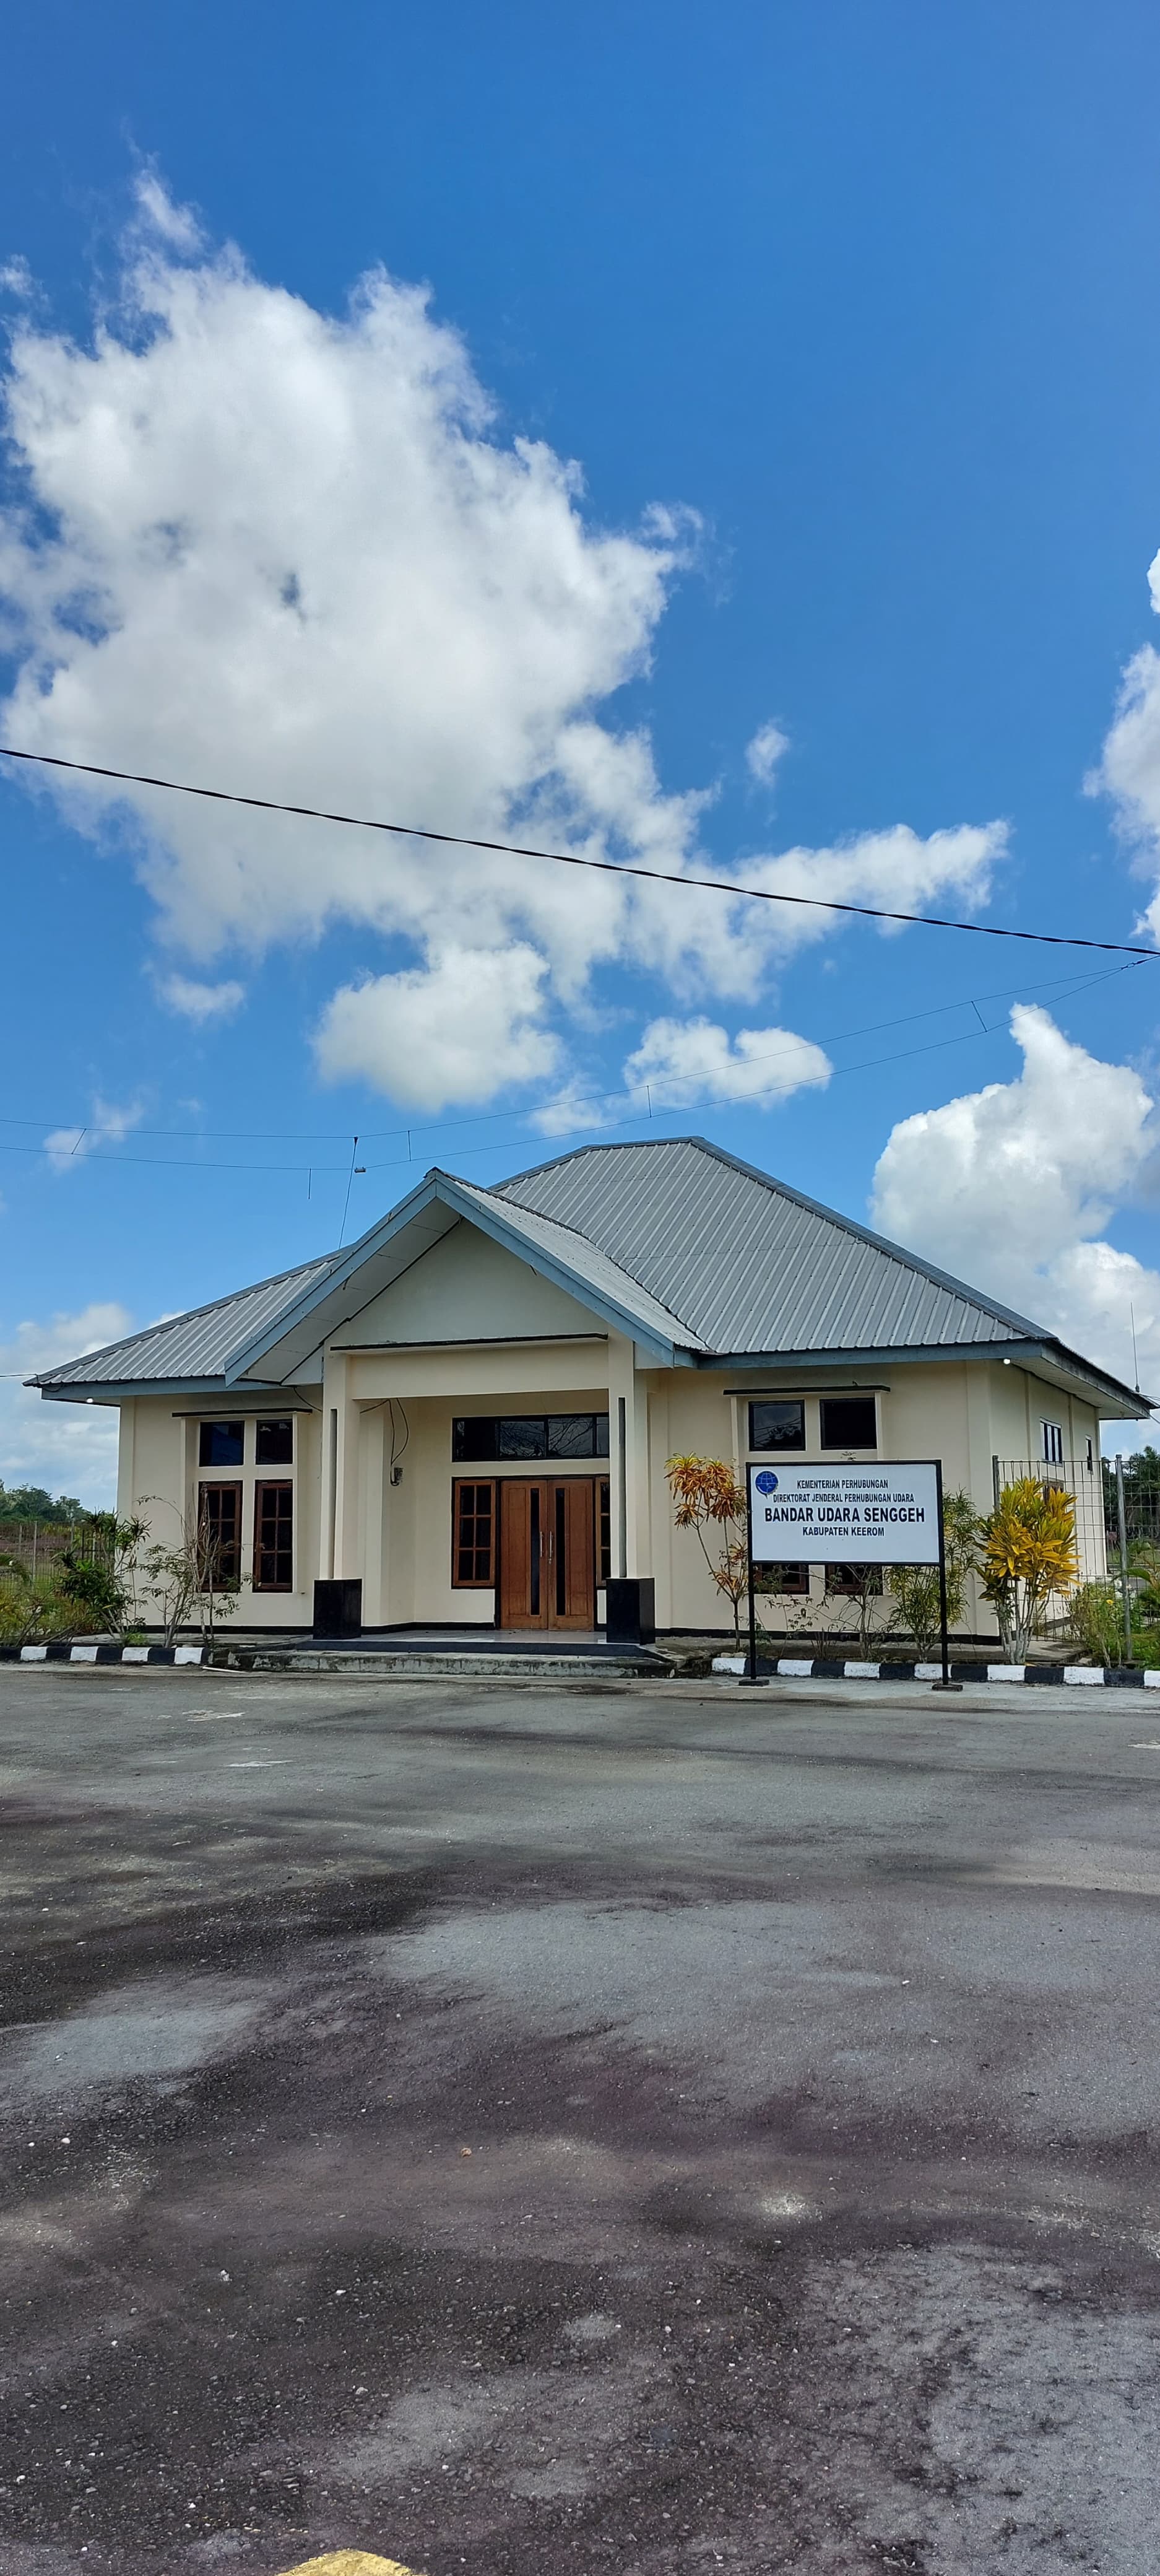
[[1120, 1515]]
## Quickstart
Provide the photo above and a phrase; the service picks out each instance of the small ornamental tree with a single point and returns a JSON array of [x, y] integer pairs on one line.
[[1028, 1552], [706, 1496]]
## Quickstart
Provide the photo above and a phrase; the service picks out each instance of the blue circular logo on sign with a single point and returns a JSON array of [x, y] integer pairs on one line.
[[766, 1482]]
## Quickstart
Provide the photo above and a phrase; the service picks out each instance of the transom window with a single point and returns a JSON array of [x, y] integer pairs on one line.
[[275, 1444], [777, 1425], [221, 1444], [849, 1422], [484, 1436]]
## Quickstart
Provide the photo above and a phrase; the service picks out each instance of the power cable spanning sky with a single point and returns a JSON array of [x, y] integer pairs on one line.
[[475, 685]]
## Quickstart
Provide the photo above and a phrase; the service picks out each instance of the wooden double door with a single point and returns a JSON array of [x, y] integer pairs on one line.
[[549, 1546]]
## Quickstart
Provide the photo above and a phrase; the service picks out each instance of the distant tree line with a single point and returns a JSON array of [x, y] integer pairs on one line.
[[1141, 1489], [35, 1503]]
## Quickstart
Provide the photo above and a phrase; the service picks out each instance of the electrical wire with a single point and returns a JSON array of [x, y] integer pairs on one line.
[[1071, 984], [571, 859], [569, 1126]]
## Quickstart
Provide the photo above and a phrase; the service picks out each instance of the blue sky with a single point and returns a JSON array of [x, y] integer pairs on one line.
[[769, 484]]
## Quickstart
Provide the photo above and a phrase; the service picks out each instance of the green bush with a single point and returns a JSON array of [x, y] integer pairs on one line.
[[1095, 1622], [92, 1589], [30, 1613]]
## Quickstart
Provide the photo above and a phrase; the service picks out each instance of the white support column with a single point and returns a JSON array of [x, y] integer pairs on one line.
[[348, 1549], [628, 1482], [334, 1368], [373, 1468]]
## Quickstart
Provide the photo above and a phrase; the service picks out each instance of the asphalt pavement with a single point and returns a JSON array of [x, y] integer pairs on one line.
[[544, 2130]]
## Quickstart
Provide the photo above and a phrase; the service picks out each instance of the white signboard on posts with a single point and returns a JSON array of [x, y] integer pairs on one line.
[[805, 1513]]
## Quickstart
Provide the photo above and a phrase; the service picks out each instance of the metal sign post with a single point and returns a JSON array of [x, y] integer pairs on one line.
[[946, 1683], [752, 1678]]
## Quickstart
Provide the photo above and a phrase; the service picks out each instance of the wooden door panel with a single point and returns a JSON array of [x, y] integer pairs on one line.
[[522, 1589], [574, 1592], [547, 1554]]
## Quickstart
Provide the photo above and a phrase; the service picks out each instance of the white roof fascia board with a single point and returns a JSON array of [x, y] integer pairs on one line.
[[246, 1355], [491, 1218], [127, 1390]]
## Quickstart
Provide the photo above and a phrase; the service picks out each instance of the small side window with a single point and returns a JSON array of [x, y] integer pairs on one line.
[[219, 1529], [1052, 1443], [777, 1426], [849, 1422], [222, 1444], [473, 1536], [273, 1538]]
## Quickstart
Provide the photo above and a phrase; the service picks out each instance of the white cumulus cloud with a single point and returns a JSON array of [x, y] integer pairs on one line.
[[296, 554], [464, 1029], [1129, 770], [681, 1062], [70, 1448], [199, 1002], [1011, 1188]]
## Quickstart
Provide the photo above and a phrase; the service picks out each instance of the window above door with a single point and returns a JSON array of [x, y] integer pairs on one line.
[[479, 1438]]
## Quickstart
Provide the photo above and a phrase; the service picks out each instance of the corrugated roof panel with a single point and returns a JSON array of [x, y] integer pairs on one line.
[[748, 1264], [195, 1345], [586, 1262]]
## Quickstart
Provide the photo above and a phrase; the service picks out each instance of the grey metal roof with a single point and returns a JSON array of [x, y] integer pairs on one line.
[[700, 1251], [590, 1265], [748, 1264], [196, 1345]]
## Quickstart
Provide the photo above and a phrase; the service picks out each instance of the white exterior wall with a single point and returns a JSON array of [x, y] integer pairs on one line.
[[158, 1477]]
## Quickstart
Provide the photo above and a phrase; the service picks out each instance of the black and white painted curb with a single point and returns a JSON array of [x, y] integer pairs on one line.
[[65, 1654], [829, 1669], [787, 1668]]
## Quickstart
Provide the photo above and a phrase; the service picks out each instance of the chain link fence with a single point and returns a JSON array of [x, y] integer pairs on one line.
[[32, 1549]]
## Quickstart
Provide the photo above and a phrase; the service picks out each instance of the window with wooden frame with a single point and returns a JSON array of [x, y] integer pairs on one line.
[[473, 1535], [603, 1532], [219, 1536], [273, 1537], [782, 1580]]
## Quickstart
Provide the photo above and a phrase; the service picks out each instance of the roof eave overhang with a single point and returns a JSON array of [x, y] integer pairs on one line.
[[123, 1390], [440, 1188], [1062, 1367]]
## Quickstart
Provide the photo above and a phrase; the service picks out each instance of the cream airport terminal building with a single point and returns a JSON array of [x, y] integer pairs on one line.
[[470, 1410]]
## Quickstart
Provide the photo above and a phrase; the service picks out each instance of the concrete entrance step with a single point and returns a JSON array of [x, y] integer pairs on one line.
[[438, 1662]]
